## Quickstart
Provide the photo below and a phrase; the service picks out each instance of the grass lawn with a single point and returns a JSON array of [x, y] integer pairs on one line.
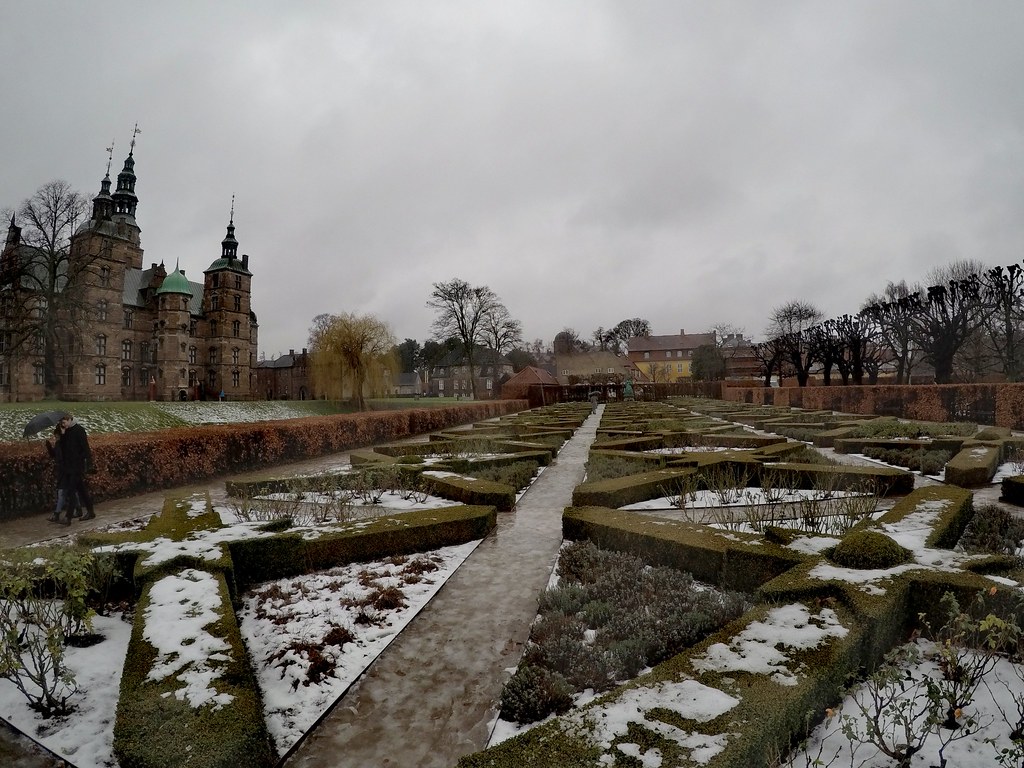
[[104, 417]]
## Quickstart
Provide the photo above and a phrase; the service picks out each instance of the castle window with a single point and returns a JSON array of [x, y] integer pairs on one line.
[[213, 327], [37, 374], [234, 378], [126, 349], [105, 277], [213, 355], [70, 375], [101, 345], [192, 324], [181, 374], [212, 378], [215, 302], [234, 355], [215, 280], [144, 376], [144, 351], [101, 309], [238, 282], [37, 343], [5, 341], [126, 377], [127, 318], [184, 304], [192, 355], [238, 303], [101, 374], [236, 328], [5, 374]]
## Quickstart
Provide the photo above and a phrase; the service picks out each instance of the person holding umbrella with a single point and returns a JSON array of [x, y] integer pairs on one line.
[[56, 453], [77, 460]]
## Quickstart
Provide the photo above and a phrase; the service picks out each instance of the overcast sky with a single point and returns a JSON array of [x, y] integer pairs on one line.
[[689, 163]]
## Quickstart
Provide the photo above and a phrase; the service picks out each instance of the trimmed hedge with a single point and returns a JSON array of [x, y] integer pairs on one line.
[[292, 553], [1013, 490], [974, 465], [469, 490], [138, 462], [153, 729], [631, 489], [949, 526], [737, 561]]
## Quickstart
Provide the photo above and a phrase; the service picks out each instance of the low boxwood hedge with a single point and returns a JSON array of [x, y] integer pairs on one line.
[[154, 729], [290, 553], [620, 491], [736, 561], [974, 465], [1013, 490]]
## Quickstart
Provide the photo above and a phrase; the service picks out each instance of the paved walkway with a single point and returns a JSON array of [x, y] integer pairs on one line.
[[432, 696]]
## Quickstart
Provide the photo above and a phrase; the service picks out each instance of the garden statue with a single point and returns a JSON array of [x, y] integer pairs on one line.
[[627, 391]]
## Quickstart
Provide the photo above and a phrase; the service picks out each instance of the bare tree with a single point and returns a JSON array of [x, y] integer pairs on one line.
[[463, 311], [791, 323], [950, 311], [1003, 291], [891, 313], [499, 331], [771, 354], [42, 306]]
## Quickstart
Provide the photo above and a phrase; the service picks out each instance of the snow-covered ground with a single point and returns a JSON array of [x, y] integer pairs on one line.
[[280, 621]]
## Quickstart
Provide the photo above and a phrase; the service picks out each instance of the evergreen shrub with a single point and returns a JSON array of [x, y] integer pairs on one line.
[[869, 549]]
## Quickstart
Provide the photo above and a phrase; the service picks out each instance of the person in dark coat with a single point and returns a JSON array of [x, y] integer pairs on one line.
[[77, 458], [56, 453]]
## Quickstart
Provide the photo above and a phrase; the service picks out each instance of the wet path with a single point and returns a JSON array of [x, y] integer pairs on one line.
[[431, 697]]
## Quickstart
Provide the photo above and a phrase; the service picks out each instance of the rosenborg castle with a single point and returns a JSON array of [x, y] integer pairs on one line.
[[132, 332]]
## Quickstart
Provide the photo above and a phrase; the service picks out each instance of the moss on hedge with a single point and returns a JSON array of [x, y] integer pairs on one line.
[[974, 465], [955, 509], [868, 549], [154, 729]]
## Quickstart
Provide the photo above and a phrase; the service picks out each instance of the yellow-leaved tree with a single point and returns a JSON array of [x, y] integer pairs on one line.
[[351, 357]]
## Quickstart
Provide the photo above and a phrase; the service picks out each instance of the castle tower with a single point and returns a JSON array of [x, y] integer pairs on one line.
[[171, 336], [229, 324], [8, 257]]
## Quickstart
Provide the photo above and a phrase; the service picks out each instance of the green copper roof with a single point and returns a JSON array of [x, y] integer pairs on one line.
[[235, 265], [175, 283]]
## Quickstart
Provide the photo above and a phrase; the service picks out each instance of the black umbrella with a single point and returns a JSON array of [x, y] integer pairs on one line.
[[42, 421]]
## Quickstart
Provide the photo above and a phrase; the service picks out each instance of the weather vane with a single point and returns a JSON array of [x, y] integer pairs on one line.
[[135, 132], [232, 209], [110, 155]]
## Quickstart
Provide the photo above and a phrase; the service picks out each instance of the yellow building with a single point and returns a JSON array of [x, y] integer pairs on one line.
[[667, 358]]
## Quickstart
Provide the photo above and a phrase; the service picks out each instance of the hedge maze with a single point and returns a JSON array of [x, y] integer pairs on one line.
[[826, 607], [187, 546]]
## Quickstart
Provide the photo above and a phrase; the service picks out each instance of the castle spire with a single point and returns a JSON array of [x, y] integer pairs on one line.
[[229, 245], [103, 203], [125, 201]]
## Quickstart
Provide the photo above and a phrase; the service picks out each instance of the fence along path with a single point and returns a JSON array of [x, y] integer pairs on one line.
[[432, 696]]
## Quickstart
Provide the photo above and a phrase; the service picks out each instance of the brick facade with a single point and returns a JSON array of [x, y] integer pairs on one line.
[[146, 334]]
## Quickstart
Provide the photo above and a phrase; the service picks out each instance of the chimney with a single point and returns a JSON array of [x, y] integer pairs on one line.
[[291, 352], [682, 331], [245, 261], [303, 351]]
